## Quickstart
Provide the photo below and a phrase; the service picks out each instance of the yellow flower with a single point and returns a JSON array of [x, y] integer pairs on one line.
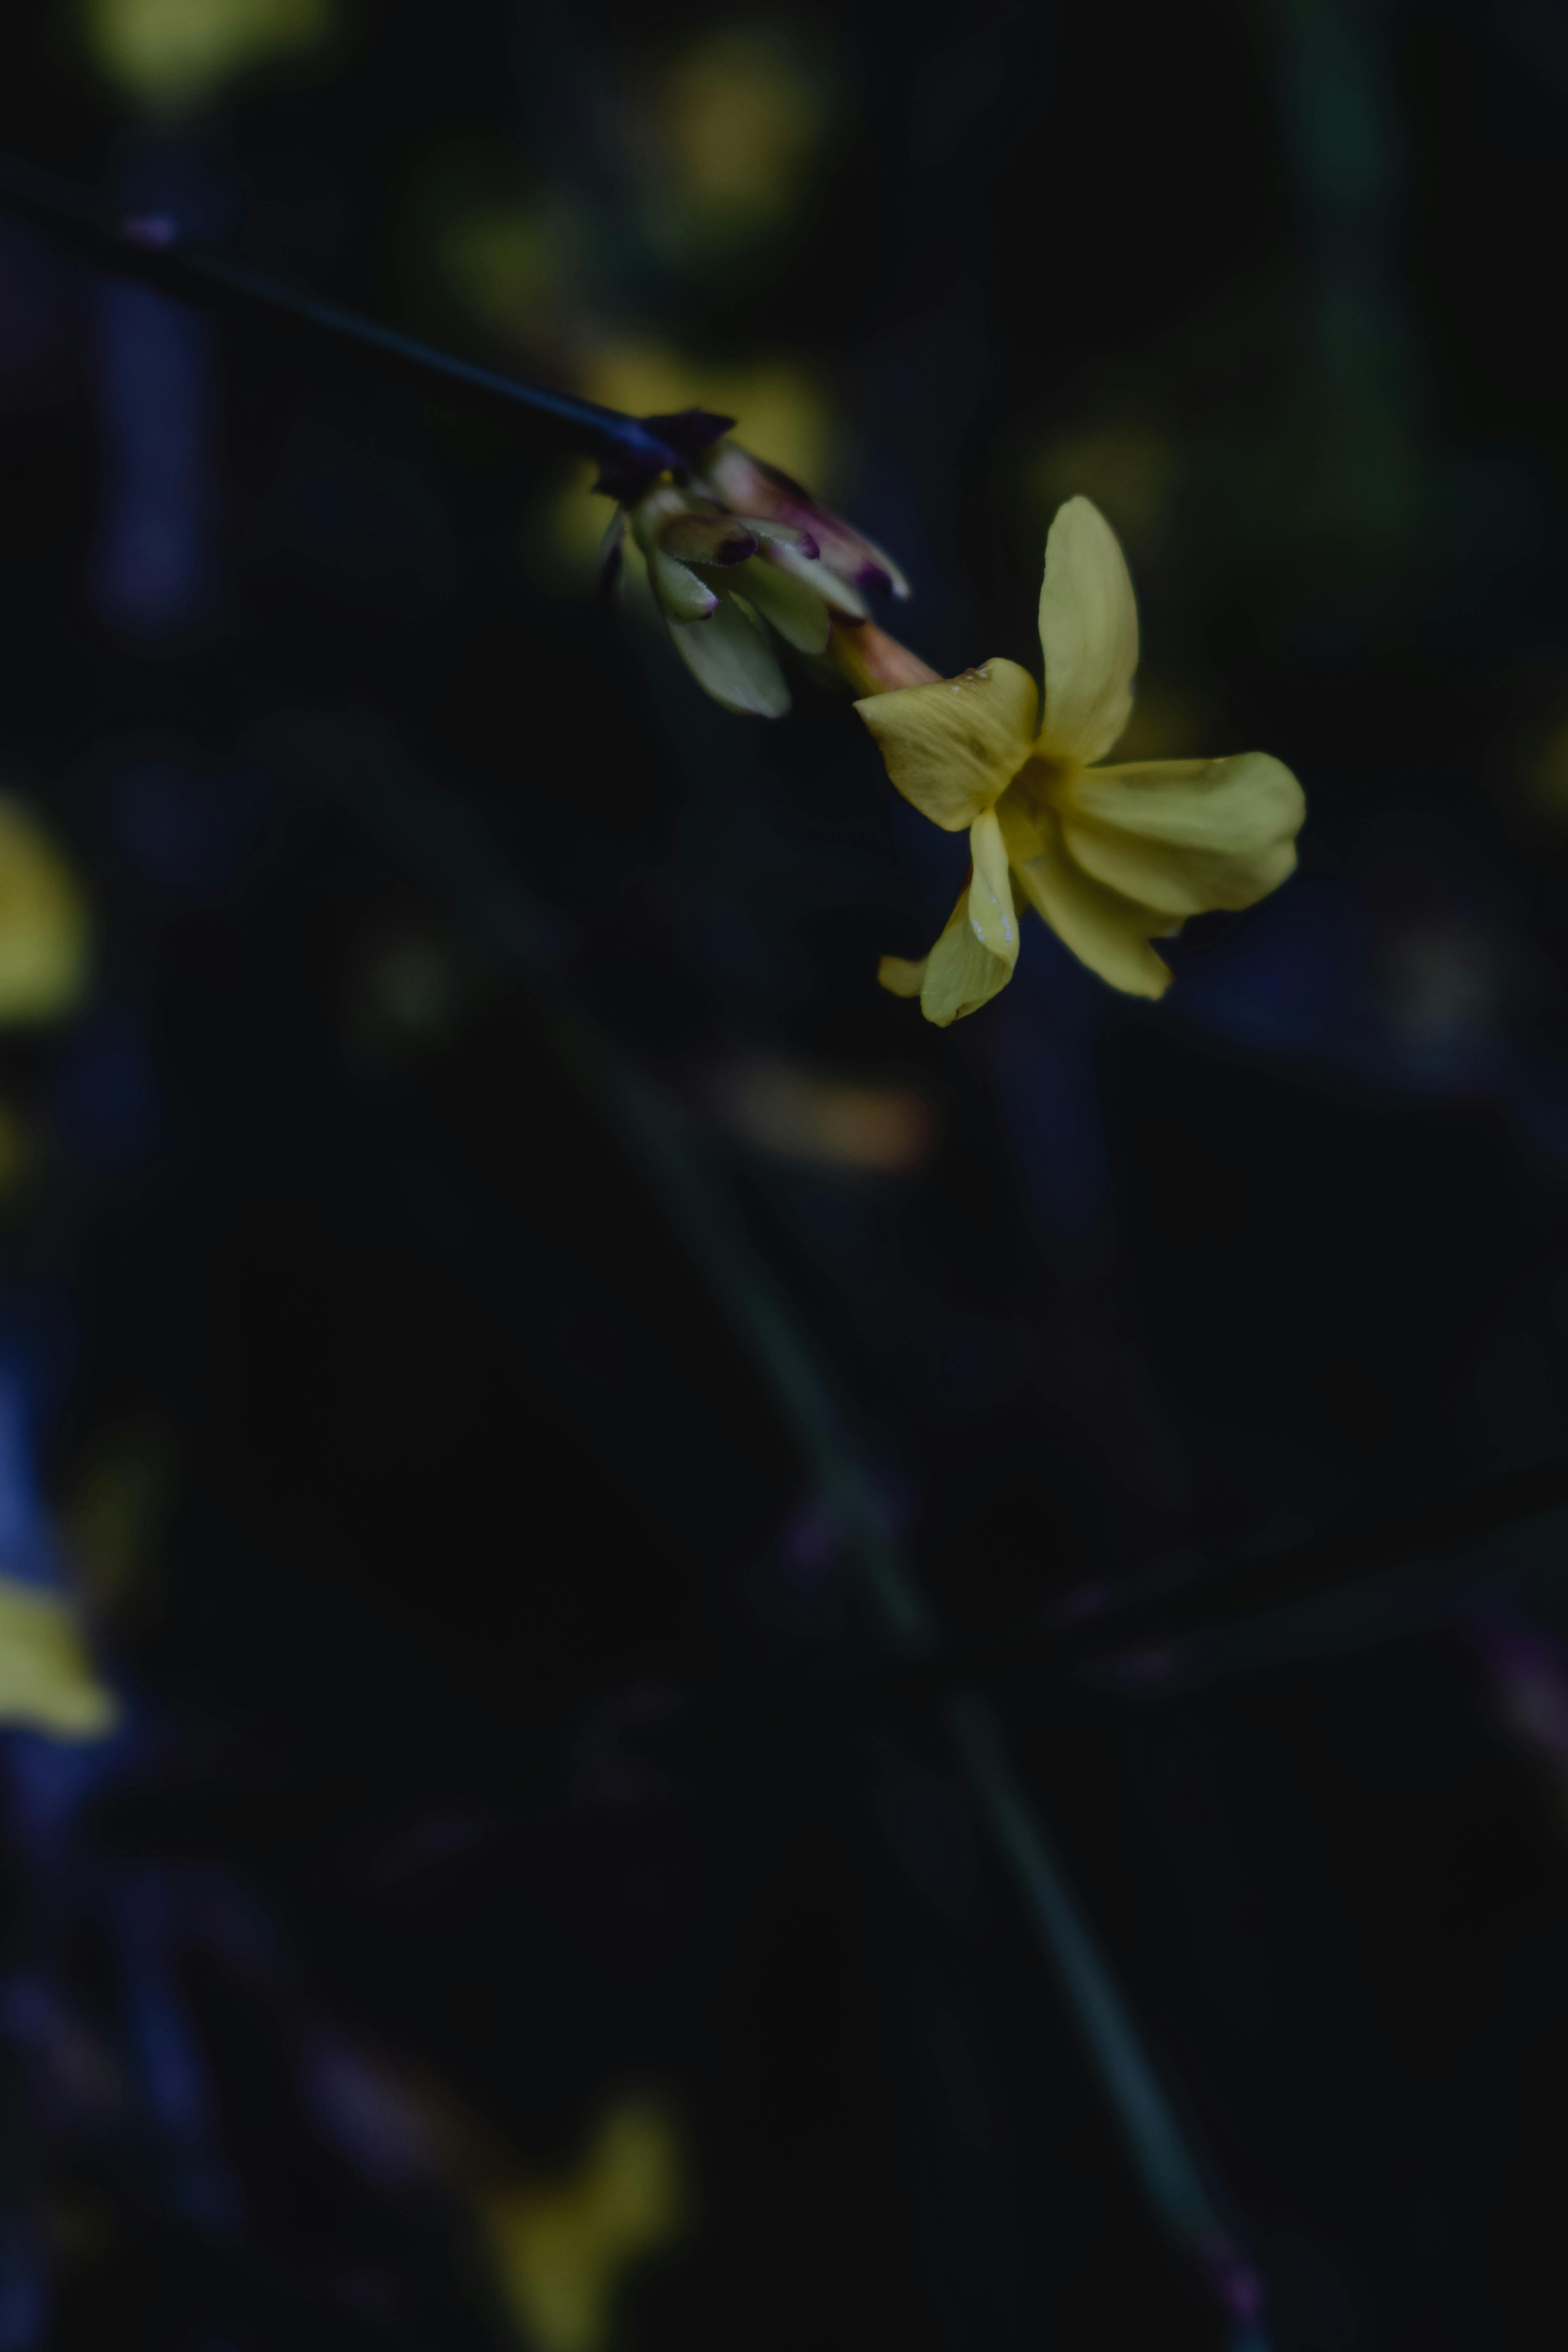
[[1111, 857], [46, 1680], [45, 936]]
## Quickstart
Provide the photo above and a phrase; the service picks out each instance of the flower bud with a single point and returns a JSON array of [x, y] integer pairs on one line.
[[748, 486], [733, 544]]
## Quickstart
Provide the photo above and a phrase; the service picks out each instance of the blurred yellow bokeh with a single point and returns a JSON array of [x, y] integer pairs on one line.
[[172, 55], [561, 2250], [780, 405], [45, 933], [47, 1681], [1545, 769], [734, 125], [1129, 471], [504, 263], [791, 1112]]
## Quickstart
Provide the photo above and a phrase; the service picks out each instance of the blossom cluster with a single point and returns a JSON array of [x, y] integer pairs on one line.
[[1112, 858]]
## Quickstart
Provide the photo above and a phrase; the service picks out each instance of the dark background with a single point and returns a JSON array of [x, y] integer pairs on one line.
[[423, 1489]]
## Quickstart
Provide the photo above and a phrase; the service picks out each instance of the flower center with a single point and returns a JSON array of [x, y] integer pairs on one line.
[[1041, 782]]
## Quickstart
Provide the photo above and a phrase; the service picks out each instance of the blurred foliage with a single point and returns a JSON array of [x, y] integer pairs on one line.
[[172, 55], [506, 265], [729, 135]]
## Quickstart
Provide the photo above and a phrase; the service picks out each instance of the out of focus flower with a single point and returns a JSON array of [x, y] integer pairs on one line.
[[44, 937], [1112, 858], [562, 2251], [174, 54], [731, 134], [822, 1120], [47, 1680], [736, 544]]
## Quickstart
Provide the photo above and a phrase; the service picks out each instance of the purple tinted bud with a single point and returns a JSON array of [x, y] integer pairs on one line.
[[751, 487]]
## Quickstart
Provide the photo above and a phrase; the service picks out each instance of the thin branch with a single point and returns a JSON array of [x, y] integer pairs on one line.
[[152, 249]]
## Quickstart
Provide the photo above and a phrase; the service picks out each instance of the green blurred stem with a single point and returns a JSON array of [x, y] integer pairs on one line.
[[504, 921], [151, 250], [1171, 2178], [1146, 2114]]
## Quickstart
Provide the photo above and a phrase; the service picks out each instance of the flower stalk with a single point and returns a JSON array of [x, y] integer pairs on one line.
[[872, 662]]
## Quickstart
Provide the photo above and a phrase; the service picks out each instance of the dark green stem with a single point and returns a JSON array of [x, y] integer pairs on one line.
[[451, 849]]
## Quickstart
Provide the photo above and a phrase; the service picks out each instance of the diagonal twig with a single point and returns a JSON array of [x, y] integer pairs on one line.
[[152, 249]]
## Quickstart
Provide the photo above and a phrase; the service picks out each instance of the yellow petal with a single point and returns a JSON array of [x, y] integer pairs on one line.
[[992, 915], [1089, 635], [1107, 931], [46, 1680], [1185, 835], [954, 747], [961, 975], [902, 977], [975, 957]]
